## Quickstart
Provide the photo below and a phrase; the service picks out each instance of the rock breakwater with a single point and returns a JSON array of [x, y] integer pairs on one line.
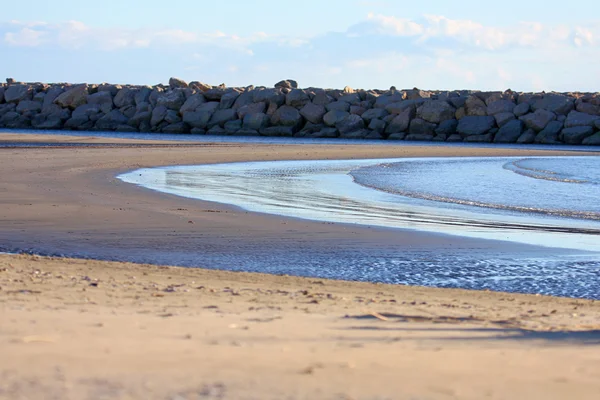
[[286, 110]]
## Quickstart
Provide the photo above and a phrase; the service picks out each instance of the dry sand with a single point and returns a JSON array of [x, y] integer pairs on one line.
[[81, 329]]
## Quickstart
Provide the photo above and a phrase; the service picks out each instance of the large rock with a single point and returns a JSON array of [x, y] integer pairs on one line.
[[447, 127], [576, 118], [287, 84], [501, 106], [251, 109], [386, 100], [29, 107], [244, 99], [297, 98], [588, 108], [202, 87], [527, 137], [313, 113], [158, 115], [2, 90], [475, 107], [475, 125], [220, 117], [593, 140], [287, 116], [576, 135], [111, 121], [278, 131], [124, 98], [103, 100], [192, 103], [87, 111], [198, 119], [504, 118], [177, 127], [269, 96], [175, 83], [51, 95], [322, 99], [17, 93], [338, 106], [401, 122], [333, 117], [350, 123], [557, 103], [538, 120], [377, 125], [420, 128], [510, 132], [374, 113], [229, 99], [549, 135], [172, 99], [73, 97], [521, 109], [256, 121], [436, 111]]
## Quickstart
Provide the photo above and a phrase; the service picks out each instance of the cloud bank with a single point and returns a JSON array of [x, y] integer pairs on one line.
[[432, 52]]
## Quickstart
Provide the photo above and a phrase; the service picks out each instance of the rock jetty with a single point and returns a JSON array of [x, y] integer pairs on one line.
[[287, 110]]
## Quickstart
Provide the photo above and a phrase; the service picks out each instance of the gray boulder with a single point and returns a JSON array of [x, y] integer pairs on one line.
[[125, 98], [175, 83], [103, 100], [485, 138], [142, 95], [198, 119], [419, 137], [251, 109], [521, 109], [158, 115], [256, 121], [447, 127], [172, 99], [17, 93], [576, 135], [2, 90], [397, 136], [503, 118], [233, 126], [436, 111], [325, 133], [322, 99], [229, 99], [297, 98], [220, 117], [313, 113], [538, 120], [386, 100], [287, 84], [244, 99], [333, 117], [374, 113], [51, 95], [401, 123], [73, 97], [377, 125], [500, 106], [475, 107], [287, 116], [338, 106], [192, 103], [576, 118], [421, 128], [549, 135], [475, 125], [29, 107], [588, 108], [557, 103], [86, 110], [593, 140], [269, 96], [510, 132], [350, 123], [111, 121], [527, 137], [172, 117]]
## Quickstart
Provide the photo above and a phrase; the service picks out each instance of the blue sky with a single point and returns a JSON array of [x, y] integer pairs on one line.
[[438, 44]]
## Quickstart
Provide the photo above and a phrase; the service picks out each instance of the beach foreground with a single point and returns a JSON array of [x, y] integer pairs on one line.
[[85, 329]]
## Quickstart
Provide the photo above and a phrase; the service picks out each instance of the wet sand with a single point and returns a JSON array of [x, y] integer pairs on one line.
[[93, 329]]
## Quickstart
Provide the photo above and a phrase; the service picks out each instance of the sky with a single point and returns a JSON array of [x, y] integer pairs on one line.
[[436, 44]]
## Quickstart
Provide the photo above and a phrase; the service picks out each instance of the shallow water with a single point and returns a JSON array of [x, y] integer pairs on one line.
[[477, 197]]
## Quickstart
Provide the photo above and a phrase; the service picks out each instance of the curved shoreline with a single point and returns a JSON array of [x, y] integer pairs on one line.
[[85, 328]]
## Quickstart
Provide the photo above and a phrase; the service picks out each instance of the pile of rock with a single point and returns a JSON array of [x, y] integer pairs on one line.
[[286, 110]]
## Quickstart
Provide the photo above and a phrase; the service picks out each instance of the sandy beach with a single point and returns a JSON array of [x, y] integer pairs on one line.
[[86, 329]]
